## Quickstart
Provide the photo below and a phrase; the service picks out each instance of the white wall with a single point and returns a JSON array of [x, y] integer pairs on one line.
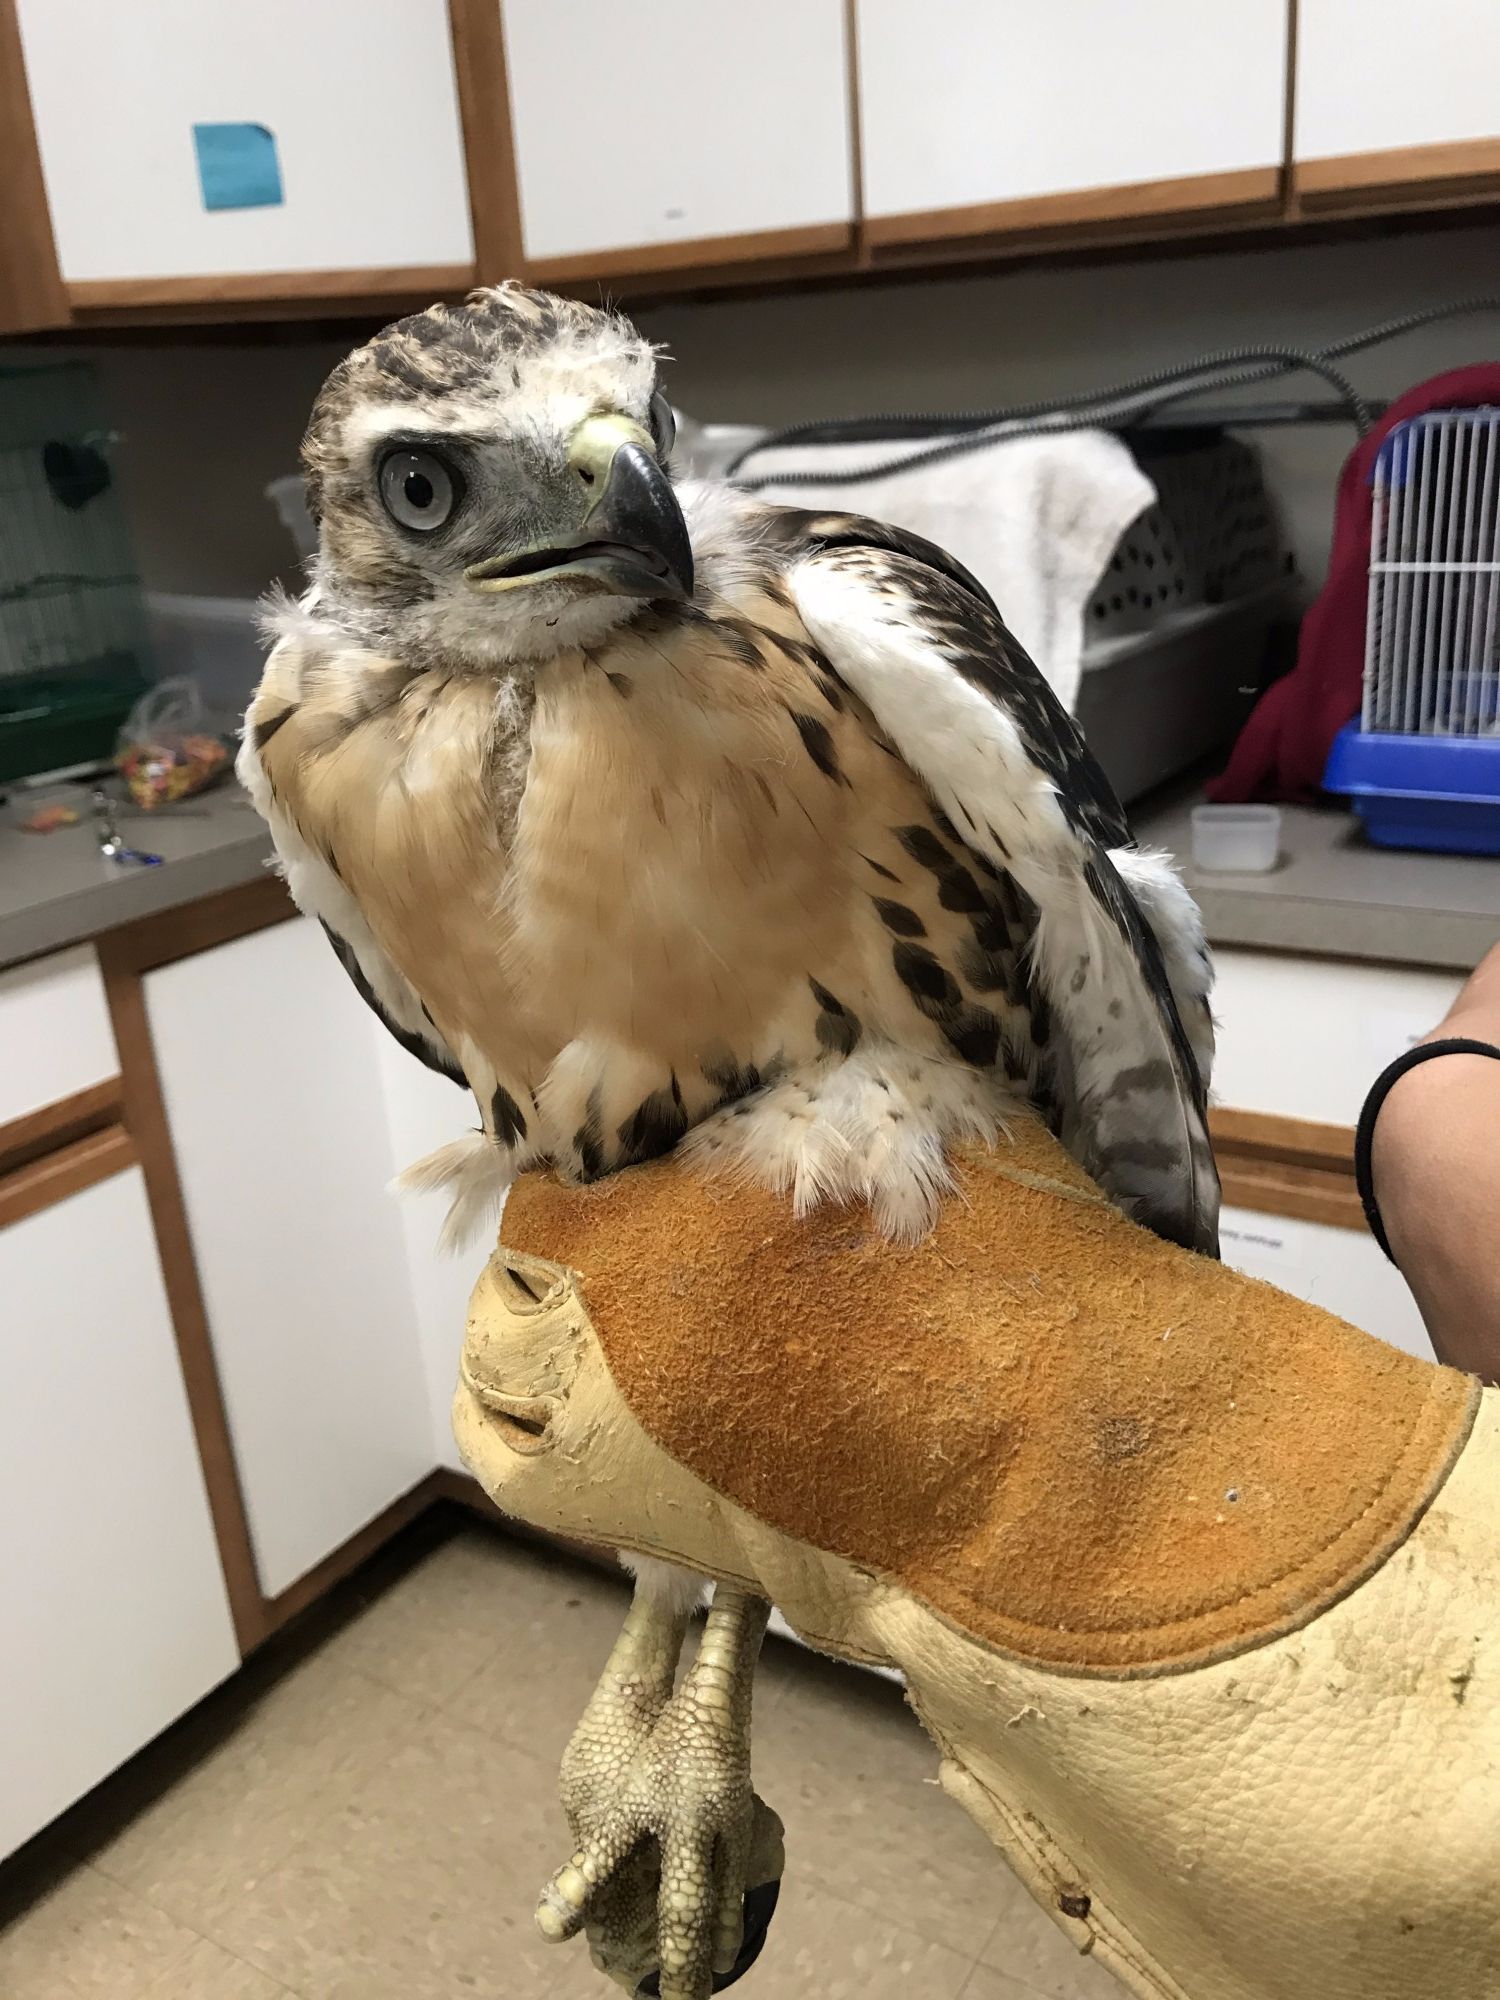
[[207, 423]]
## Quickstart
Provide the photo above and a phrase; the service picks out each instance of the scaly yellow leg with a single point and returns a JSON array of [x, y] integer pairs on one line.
[[657, 1790]]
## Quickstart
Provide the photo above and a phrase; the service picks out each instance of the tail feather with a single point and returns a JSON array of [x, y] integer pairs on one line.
[[477, 1172]]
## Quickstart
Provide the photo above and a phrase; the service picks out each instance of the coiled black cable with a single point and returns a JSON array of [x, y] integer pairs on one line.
[[1122, 403]]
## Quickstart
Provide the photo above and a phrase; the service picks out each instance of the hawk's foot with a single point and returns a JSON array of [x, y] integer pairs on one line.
[[657, 1791]]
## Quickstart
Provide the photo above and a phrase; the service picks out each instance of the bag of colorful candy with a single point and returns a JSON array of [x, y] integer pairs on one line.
[[167, 749]]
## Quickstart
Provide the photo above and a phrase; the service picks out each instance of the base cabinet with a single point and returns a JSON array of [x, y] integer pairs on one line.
[[115, 1616], [271, 1080]]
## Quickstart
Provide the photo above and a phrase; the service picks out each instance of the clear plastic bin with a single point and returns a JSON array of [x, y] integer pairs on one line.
[[288, 496], [215, 641], [1236, 840]]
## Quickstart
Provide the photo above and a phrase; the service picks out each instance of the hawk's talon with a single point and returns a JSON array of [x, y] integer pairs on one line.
[[559, 1914]]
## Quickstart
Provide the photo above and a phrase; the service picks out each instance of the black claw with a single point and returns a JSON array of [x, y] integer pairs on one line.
[[760, 1907]]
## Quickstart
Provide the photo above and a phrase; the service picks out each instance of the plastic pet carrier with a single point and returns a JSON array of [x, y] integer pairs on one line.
[[1421, 766], [1176, 633]]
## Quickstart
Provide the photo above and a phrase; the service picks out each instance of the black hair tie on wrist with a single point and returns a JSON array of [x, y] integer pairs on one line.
[[1380, 1090]]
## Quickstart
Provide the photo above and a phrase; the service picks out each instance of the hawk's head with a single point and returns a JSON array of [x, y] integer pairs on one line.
[[490, 479]]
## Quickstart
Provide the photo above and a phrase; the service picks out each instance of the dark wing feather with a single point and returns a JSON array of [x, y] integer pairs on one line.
[[983, 649], [417, 1036], [921, 643]]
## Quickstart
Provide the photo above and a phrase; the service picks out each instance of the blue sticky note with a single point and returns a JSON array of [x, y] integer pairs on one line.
[[237, 166]]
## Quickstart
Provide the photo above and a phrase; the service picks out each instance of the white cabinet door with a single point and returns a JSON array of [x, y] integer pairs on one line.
[[113, 1613], [971, 105], [1342, 1270], [273, 1093], [1380, 77], [358, 96], [1306, 1037], [55, 1033], [672, 122]]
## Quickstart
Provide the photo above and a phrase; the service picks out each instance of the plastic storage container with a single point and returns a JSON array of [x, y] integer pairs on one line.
[[288, 495], [215, 641], [1236, 840]]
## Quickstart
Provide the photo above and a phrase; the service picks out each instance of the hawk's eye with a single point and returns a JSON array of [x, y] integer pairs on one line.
[[418, 489], [663, 424]]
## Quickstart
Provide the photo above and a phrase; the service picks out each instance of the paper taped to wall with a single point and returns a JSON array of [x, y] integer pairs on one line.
[[237, 166]]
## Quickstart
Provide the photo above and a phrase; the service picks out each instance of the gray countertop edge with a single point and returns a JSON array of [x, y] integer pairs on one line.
[[1335, 895], [78, 915], [1435, 940]]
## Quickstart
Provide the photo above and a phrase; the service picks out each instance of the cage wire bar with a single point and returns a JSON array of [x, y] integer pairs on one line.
[[1432, 646], [75, 649], [70, 596]]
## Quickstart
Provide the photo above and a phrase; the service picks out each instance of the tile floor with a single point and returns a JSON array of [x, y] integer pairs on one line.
[[367, 1810]]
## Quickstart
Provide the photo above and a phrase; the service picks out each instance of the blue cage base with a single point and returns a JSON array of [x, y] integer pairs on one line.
[[1435, 792]]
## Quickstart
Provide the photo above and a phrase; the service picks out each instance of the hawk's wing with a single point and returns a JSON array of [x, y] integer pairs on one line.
[[387, 995], [314, 882], [1117, 950]]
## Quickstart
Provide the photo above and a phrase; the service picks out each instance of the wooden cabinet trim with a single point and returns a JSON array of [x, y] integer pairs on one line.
[[462, 1489], [44, 1181], [816, 239], [853, 98], [489, 146], [1249, 188], [1266, 1135], [146, 1120], [392, 283], [32, 294], [1274, 1187], [1280, 220], [1289, 111], [54, 1126], [192, 927], [1410, 172], [124, 956], [1287, 1166], [348, 1556], [68, 1146]]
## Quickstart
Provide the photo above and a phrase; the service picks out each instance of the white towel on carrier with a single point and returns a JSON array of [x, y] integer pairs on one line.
[[1036, 519]]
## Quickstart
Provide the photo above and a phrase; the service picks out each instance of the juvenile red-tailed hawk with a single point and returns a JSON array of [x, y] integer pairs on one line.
[[663, 818]]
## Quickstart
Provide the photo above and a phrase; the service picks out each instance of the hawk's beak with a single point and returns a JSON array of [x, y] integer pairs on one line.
[[632, 541]]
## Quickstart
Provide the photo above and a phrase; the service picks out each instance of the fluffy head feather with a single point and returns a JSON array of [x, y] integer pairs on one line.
[[505, 379], [488, 364]]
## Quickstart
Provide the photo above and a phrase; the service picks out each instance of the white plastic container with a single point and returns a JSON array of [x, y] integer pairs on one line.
[[216, 641], [288, 496], [1236, 840]]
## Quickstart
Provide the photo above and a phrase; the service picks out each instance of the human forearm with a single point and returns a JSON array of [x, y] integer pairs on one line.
[[1436, 1169]]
